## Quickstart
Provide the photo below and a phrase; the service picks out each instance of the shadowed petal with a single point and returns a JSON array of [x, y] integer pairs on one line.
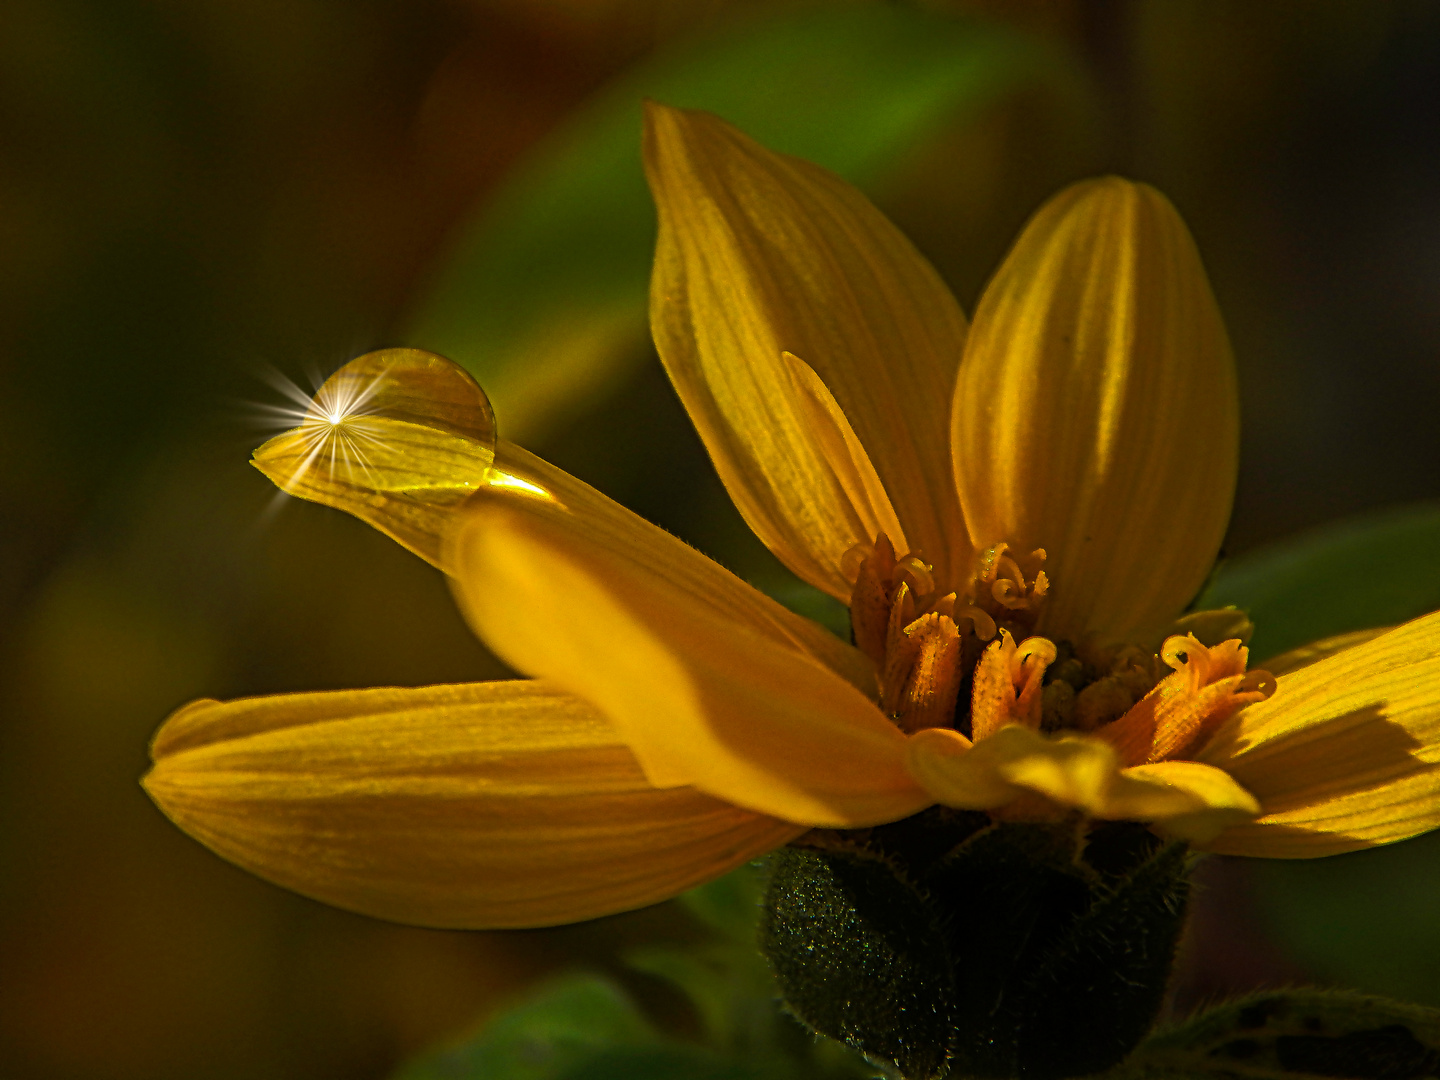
[[1095, 414], [1184, 799], [702, 699], [758, 254], [1344, 755], [588, 518], [479, 805]]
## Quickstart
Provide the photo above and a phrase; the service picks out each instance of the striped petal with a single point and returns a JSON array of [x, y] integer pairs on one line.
[[1095, 414], [1345, 754], [533, 487], [480, 805], [759, 254], [702, 698]]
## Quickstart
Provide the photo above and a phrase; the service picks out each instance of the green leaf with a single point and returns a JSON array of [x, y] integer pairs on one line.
[[1323, 912], [1376, 570], [561, 1026], [545, 296], [733, 990], [1294, 1034], [672, 1062]]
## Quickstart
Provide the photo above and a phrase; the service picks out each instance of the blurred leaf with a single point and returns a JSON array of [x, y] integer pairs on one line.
[[555, 1030], [545, 296], [584, 1027], [672, 1062], [1370, 571], [733, 989], [730, 905], [1324, 912], [1292, 1033]]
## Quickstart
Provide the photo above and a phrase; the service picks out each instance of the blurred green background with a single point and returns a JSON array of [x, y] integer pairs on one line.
[[193, 192]]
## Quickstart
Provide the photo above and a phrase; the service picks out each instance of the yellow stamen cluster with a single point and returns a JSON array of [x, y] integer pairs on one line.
[[928, 648]]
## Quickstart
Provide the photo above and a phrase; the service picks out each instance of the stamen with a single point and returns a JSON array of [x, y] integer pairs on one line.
[[933, 683], [917, 573], [853, 559], [981, 624], [1008, 684], [980, 621], [1188, 655], [1004, 591], [1007, 588], [1037, 649]]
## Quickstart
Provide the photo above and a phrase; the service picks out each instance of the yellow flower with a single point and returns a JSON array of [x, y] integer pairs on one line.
[[1017, 512]]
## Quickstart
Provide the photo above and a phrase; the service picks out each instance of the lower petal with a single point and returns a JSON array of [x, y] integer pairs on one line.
[[1183, 799], [702, 699], [1345, 754], [479, 805], [1069, 770]]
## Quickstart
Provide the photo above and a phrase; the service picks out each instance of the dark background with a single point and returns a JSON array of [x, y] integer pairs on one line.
[[191, 190]]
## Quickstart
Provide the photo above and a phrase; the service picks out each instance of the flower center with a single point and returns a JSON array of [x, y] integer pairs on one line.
[[969, 660]]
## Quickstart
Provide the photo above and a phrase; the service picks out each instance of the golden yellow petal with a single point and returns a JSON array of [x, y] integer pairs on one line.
[[1183, 799], [1071, 770], [1344, 755], [702, 698], [1306, 655], [479, 805], [943, 763], [759, 253], [398, 437], [1095, 412], [830, 433], [588, 518]]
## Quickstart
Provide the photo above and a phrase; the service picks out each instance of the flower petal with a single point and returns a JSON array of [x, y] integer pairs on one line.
[[1309, 654], [1184, 799], [592, 520], [398, 437], [479, 805], [1071, 770], [760, 253], [1095, 413], [1345, 754], [701, 698]]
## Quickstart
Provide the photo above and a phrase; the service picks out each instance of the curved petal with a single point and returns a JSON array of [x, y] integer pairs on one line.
[[1071, 770], [702, 699], [479, 805], [760, 253], [1345, 754], [592, 520], [1183, 799], [398, 437], [1095, 413]]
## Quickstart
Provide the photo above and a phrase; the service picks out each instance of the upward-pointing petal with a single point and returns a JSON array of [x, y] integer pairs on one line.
[[1095, 413], [759, 254]]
